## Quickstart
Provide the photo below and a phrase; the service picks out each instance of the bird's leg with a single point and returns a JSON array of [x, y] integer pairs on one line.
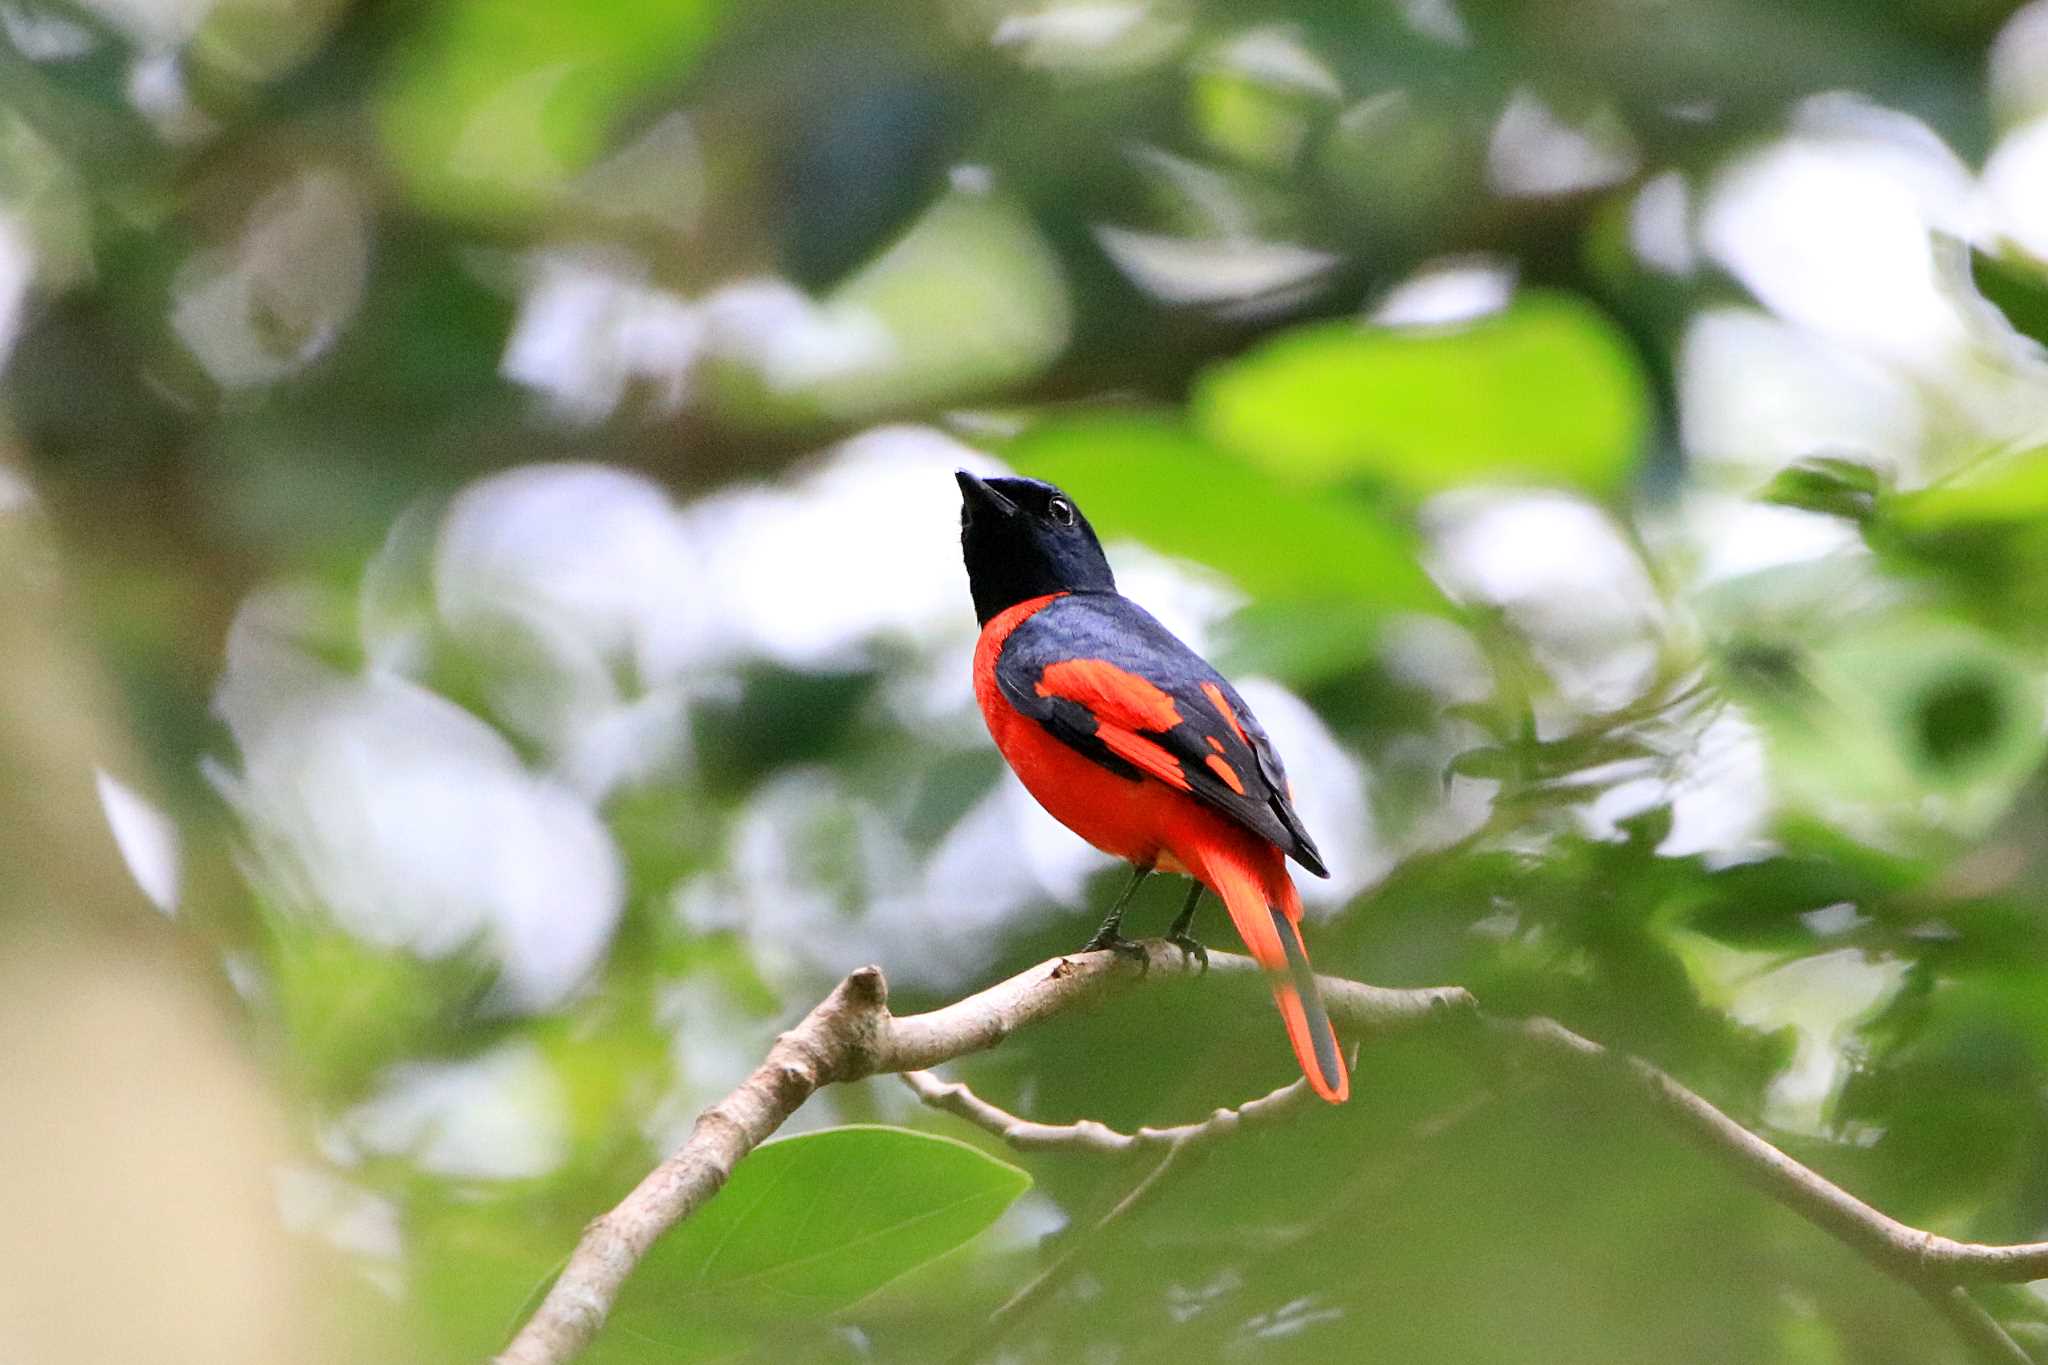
[[1110, 935], [1177, 934]]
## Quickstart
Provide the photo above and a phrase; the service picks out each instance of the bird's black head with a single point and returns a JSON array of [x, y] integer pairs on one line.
[[1024, 539]]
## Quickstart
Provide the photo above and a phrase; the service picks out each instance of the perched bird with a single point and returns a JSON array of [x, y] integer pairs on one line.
[[1136, 744]]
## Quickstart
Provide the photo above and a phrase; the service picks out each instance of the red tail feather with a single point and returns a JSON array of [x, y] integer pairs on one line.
[[1266, 909]]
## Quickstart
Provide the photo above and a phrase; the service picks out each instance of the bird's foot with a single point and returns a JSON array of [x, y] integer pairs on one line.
[[1191, 948], [1108, 939]]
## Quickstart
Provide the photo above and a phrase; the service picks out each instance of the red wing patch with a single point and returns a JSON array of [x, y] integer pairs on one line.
[[1222, 705], [1143, 754], [1229, 774], [1113, 695], [1215, 744]]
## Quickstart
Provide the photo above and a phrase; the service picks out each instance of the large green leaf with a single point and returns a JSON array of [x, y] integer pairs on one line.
[[1546, 391], [811, 1224], [1147, 478]]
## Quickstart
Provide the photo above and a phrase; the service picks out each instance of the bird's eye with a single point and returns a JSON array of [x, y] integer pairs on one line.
[[1061, 511]]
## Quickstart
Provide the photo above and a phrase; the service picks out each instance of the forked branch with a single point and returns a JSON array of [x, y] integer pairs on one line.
[[852, 1035]]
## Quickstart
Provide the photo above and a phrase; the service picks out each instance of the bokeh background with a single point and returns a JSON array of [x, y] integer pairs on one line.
[[485, 646]]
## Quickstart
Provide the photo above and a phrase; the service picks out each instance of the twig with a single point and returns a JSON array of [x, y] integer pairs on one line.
[[852, 1035], [1090, 1136], [1040, 1286], [1179, 1142], [1978, 1329], [1910, 1253]]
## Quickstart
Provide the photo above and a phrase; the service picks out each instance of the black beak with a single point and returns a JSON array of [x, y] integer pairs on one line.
[[977, 496]]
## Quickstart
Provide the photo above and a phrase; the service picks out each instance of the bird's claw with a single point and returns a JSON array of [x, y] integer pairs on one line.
[[1121, 946], [1191, 948]]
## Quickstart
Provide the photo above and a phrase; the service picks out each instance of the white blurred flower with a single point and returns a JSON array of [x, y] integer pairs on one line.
[[503, 1115], [570, 580], [45, 36], [590, 324], [158, 90], [820, 881], [2016, 186], [866, 547], [1432, 654], [1275, 56], [1660, 224], [1822, 998], [1561, 569], [1451, 290], [789, 340], [1721, 796], [1092, 37], [2019, 66], [1214, 270], [17, 273], [1006, 854], [1831, 228], [1535, 153], [411, 823], [153, 24], [1438, 19], [278, 298], [315, 1202], [1718, 789], [1725, 537], [1756, 394], [147, 839], [597, 552]]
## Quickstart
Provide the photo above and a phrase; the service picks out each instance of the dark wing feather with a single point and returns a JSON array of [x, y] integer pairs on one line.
[[1104, 677]]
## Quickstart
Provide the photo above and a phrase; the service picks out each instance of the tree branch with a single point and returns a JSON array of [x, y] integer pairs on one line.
[[1039, 1288], [1978, 1329], [1910, 1253], [852, 1035], [1090, 1136]]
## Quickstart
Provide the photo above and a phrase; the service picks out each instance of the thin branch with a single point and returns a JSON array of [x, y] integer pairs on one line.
[[1090, 1136], [852, 1035], [1911, 1253], [1977, 1328], [1180, 1144], [1041, 1286]]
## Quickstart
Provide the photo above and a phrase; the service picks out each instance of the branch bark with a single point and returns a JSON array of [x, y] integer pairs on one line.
[[852, 1035], [1088, 1135]]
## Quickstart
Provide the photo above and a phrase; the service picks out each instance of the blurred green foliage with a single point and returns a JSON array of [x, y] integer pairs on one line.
[[1732, 758], [1544, 390]]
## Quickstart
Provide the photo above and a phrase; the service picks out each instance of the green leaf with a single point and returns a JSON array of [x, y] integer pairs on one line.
[[1145, 477], [1829, 484], [811, 1224], [1547, 391], [2008, 488], [1980, 537], [2017, 286], [497, 106]]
